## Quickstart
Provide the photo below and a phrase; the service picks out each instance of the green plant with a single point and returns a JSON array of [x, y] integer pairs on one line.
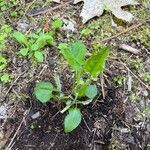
[[32, 45], [5, 32], [57, 24], [6, 78], [3, 62], [85, 71], [136, 63], [119, 79], [146, 76], [4, 5]]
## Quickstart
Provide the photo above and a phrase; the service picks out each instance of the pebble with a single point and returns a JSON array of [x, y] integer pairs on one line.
[[3, 112], [1, 135], [69, 26], [23, 27], [36, 115]]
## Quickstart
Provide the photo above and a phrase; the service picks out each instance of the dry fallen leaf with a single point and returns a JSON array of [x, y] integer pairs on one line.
[[96, 8], [57, 1]]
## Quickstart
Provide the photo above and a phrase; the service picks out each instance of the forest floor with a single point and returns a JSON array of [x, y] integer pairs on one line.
[[119, 117]]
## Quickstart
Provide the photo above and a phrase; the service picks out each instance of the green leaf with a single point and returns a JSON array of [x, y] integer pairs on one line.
[[74, 54], [3, 62], [39, 56], [57, 24], [43, 91], [91, 91], [43, 40], [24, 51], [20, 38], [34, 47], [58, 83], [81, 90], [96, 63], [72, 120], [5, 78], [63, 46]]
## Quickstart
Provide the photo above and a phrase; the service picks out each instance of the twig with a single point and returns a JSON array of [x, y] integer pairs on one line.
[[129, 49], [29, 6], [123, 32], [102, 86], [87, 125], [137, 77], [49, 10], [93, 139], [13, 84], [11, 141]]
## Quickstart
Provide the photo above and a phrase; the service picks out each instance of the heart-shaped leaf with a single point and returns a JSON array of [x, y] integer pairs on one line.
[[39, 56], [72, 120], [91, 91], [43, 91]]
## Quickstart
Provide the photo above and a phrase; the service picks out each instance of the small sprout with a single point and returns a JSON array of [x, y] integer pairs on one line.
[[146, 77], [119, 80], [39, 56], [6, 78], [3, 62], [33, 44], [86, 32], [57, 24]]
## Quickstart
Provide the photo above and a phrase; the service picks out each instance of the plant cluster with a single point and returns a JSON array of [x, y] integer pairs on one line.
[[11, 6], [85, 69], [5, 33], [85, 72], [4, 77], [33, 44]]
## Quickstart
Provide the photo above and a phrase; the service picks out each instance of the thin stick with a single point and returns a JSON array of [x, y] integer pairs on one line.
[[49, 10], [123, 32], [87, 125], [137, 77], [9, 145], [29, 6], [102, 86], [13, 84]]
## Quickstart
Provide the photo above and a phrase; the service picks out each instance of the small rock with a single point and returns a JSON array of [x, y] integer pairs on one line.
[[36, 115], [3, 112], [145, 93], [69, 26], [124, 130], [23, 27], [129, 49]]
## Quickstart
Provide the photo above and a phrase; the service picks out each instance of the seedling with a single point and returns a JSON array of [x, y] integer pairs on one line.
[[32, 46], [119, 79], [3, 62], [6, 78], [5, 32], [85, 71], [146, 76], [57, 24]]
